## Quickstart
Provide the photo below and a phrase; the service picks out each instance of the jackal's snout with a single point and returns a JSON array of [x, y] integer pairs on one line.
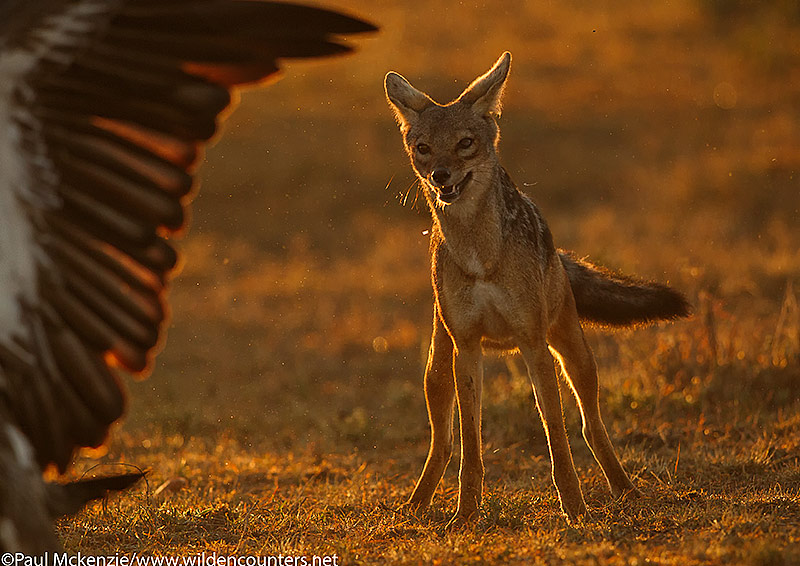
[[441, 181], [440, 176]]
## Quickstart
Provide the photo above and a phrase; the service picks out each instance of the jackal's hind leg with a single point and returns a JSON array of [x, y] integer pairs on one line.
[[567, 340]]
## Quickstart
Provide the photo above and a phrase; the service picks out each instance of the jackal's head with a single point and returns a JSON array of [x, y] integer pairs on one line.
[[453, 147]]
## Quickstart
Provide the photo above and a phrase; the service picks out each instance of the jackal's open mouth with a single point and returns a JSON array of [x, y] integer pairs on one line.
[[449, 193]]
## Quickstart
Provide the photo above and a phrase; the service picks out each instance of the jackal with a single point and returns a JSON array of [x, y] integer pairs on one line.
[[500, 283]]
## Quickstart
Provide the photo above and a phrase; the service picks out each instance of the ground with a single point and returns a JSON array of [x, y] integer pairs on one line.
[[286, 409]]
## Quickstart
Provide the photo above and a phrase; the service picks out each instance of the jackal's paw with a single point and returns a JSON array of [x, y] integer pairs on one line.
[[624, 489], [629, 494], [575, 513], [462, 519], [415, 505]]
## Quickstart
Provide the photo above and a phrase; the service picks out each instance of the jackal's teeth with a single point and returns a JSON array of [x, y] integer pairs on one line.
[[449, 193]]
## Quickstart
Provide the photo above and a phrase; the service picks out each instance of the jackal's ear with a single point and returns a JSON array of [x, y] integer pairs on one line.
[[406, 101], [485, 94]]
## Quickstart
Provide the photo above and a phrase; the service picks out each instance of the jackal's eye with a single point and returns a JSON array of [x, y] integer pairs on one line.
[[464, 143], [423, 148]]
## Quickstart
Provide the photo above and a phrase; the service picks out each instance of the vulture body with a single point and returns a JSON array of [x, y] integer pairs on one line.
[[105, 106]]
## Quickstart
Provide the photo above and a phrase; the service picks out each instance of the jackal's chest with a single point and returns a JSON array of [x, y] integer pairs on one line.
[[491, 303], [481, 309]]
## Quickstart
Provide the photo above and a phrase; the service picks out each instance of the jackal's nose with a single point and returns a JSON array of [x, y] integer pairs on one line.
[[441, 175]]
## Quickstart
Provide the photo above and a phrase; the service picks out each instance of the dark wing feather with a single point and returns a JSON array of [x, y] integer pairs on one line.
[[109, 118]]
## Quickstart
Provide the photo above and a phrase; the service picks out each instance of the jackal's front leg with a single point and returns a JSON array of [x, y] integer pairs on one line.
[[469, 383], [439, 396], [548, 398]]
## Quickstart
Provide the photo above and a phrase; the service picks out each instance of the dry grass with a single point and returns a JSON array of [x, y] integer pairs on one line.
[[659, 140]]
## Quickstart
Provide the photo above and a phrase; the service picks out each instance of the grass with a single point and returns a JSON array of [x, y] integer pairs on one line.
[[658, 140]]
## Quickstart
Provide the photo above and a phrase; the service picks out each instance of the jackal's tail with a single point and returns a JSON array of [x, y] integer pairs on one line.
[[608, 299]]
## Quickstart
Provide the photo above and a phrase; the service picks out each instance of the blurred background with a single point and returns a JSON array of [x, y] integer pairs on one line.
[[659, 139]]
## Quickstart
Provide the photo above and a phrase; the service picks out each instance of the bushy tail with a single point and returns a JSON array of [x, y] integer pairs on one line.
[[608, 299]]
